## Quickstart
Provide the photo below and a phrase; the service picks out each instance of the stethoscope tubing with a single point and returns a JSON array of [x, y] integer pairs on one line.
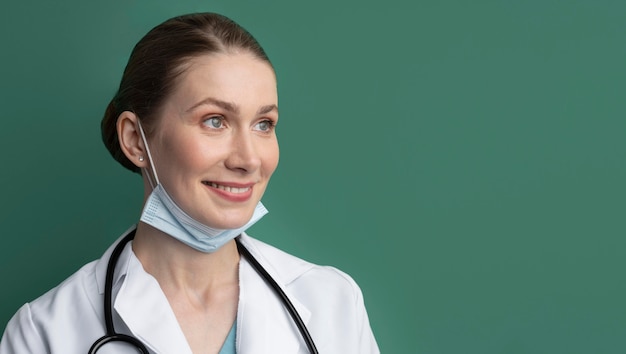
[[112, 336], [281, 294]]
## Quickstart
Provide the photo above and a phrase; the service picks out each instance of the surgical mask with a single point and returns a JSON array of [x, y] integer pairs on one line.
[[162, 213]]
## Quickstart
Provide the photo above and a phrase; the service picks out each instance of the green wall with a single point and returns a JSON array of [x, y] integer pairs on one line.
[[464, 161]]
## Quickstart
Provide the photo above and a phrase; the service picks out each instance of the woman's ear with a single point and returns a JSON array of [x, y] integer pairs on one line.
[[130, 140]]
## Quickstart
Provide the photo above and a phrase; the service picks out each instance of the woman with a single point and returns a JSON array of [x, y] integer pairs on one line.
[[195, 114]]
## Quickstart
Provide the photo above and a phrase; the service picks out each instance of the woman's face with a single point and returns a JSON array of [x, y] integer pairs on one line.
[[214, 146]]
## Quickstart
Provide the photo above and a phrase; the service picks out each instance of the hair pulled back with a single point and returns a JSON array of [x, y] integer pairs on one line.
[[158, 59]]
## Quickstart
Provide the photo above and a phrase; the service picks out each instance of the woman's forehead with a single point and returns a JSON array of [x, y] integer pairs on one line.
[[235, 78]]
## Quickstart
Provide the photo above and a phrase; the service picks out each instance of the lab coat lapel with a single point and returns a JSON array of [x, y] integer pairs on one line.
[[143, 307], [263, 323]]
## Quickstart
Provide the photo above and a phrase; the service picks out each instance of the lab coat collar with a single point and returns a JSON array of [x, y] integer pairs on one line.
[[101, 266], [263, 323], [284, 268], [284, 274], [145, 310], [140, 303]]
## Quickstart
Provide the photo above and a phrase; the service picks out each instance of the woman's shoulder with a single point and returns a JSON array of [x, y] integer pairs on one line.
[[295, 272], [68, 316], [61, 312], [74, 297], [332, 298], [74, 288], [84, 287], [82, 290]]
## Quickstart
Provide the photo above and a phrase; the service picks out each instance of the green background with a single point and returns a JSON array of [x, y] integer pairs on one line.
[[462, 160]]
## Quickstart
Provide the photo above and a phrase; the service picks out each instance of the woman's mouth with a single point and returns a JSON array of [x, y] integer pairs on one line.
[[229, 189]]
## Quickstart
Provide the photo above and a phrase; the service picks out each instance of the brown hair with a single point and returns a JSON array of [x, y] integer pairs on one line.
[[159, 58]]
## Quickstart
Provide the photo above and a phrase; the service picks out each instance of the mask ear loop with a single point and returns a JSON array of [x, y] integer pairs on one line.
[[150, 160]]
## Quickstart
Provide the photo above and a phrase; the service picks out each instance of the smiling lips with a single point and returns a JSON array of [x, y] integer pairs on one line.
[[237, 193], [227, 188]]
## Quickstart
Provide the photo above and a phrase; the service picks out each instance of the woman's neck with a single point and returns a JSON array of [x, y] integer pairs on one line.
[[202, 288], [178, 266]]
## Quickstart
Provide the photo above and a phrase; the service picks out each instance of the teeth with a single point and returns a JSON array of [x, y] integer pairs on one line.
[[229, 189]]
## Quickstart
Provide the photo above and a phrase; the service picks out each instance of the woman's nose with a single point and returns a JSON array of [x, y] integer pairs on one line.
[[243, 154]]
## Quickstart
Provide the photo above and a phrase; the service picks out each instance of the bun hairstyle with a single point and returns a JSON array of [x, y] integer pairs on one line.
[[156, 62]]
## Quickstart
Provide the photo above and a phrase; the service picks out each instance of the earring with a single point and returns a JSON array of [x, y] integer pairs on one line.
[[140, 158]]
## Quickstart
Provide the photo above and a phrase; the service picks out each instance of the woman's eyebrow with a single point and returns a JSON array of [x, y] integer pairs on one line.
[[231, 107], [228, 106], [267, 109]]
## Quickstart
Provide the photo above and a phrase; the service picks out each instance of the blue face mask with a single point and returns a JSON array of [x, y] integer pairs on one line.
[[162, 213]]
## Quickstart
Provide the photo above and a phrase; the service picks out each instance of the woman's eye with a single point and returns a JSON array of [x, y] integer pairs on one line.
[[264, 126], [215, 122]]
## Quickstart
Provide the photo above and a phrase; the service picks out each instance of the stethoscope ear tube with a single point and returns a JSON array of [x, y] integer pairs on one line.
[[288, 304]]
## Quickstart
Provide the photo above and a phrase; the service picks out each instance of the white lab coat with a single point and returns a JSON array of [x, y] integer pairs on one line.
[[70, 317]]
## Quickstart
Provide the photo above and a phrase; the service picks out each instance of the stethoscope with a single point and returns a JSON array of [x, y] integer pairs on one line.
[[112, 336]]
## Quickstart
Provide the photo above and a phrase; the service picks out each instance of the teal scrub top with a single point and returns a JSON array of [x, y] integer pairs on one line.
[[229, 344]]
